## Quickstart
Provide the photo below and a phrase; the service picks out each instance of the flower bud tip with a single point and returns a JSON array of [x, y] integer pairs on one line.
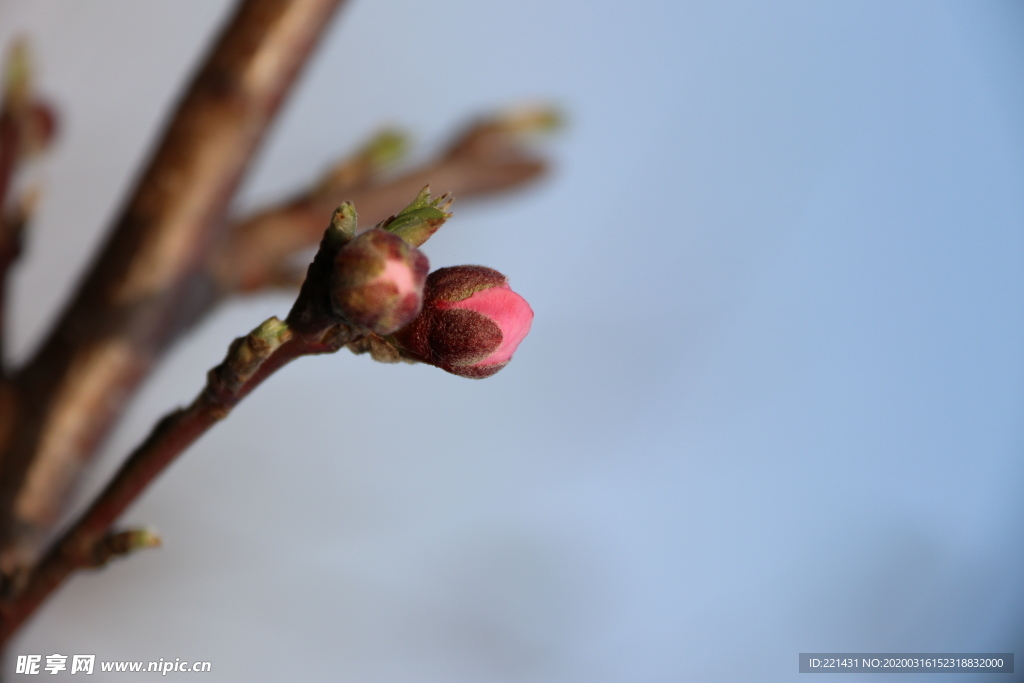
[[472, 322], [343, 223]]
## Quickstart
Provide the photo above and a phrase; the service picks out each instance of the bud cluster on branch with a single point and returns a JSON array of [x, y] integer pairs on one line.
[[463, 319], [367, 291], [174, 253]]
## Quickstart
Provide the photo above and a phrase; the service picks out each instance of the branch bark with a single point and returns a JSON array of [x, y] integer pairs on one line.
[[310, 328], [149, 279], [486, 158]]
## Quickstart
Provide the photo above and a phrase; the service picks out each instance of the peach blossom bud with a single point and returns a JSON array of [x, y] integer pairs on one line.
[[377, 281], [471, 322]]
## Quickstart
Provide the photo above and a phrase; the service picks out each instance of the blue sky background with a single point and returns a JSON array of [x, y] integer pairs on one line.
[[771, 403]]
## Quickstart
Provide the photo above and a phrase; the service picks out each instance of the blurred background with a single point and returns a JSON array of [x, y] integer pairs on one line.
[[773, 400]]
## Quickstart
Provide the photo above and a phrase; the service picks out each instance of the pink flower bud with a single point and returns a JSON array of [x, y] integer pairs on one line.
[[378, 281], [471, 322]]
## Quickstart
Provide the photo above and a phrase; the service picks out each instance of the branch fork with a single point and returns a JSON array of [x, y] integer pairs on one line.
[[174, 255]]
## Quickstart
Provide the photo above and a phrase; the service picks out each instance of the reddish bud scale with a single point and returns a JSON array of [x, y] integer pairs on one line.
[[471, 322], [378, 281]]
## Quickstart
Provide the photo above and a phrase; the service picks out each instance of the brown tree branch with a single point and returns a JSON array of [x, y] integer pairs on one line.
[[148, 279], [27, 128], [10, 249], [487, 157], [310, 328], [11, 227]]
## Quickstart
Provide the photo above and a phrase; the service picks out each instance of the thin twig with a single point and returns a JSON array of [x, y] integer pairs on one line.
[[172, 436], [486, 158], [310, 328], [148, 279], [11, 227]]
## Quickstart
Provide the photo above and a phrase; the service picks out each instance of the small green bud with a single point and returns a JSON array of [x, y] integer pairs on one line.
[[343, 224], [421, 219], [385, 148], [530, 119]]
